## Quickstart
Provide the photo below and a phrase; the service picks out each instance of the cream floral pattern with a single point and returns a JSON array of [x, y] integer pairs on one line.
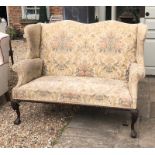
[[104, 49], [137, 73], [91, 64], [78, 90]]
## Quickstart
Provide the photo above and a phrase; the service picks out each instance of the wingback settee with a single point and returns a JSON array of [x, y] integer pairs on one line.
[[96, 64]]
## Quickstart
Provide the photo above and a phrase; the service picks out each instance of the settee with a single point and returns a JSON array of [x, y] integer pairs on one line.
[[4, 64], [68, 62]]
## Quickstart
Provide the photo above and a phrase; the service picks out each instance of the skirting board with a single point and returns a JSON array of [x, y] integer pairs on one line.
[[150, 70]]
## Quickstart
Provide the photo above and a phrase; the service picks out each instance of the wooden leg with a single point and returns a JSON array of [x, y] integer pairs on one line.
[[15, 107], [12, 58], [11, 53], [134, 117], [7, 96]]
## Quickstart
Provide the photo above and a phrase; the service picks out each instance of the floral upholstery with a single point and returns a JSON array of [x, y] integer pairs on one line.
[[105, 49], [78, 90], [96, 64], [136, 73]]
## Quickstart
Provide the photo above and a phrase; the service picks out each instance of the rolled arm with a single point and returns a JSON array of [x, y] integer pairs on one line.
[[28, 70], [136, 73]]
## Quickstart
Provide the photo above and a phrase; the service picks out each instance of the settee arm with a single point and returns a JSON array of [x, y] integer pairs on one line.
[[27, 70], [136, 73]]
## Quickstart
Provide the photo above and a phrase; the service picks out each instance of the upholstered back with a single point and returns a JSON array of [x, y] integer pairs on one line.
[[4, 48], [104, 49]]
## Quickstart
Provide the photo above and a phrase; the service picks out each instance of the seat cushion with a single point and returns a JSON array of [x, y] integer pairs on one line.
[[76, 90]]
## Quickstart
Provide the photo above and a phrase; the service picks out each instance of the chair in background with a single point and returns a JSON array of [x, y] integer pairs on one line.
[[4, 64], [3, 29]]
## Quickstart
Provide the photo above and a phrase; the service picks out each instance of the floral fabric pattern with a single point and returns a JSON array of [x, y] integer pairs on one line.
[[137, 73], [105, 49], [78, 90], [96, 64]]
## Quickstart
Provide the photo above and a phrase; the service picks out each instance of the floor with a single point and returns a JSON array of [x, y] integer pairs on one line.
[[91, 130], [40, 128]]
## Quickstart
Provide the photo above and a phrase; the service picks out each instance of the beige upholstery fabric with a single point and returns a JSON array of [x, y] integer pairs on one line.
[[4, 69], [92, 64], [141, 34], [76, 90], [33, 34], [1, 58], [137, 70], [136, 73], [4, 65], [28, 70], [105, 49], [4, 48]]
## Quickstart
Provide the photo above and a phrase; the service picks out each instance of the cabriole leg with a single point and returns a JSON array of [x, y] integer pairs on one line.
[[15, 107], [134, 117]]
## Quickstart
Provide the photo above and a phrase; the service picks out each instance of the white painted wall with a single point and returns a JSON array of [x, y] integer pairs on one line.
[[113, 13], [149, 46]]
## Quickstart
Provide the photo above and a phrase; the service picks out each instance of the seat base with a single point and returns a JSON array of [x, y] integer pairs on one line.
[[76, 90]]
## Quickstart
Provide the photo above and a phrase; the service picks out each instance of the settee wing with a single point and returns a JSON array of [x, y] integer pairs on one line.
[[136, 73], [141, 35], [32, 33], [28, 70]]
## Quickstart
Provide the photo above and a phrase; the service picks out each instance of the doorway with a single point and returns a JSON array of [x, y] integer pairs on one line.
[[3, 12], [83, 14]]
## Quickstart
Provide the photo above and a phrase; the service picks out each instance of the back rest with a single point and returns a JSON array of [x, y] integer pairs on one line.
[[4, 48], [105, 49]]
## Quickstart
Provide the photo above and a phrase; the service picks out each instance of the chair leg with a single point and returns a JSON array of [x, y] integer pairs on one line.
[[134, 117], [15, 107], [7, 96], [12, 61], [11, 53]]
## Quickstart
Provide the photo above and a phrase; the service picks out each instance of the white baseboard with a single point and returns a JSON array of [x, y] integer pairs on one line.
[[150, 70]]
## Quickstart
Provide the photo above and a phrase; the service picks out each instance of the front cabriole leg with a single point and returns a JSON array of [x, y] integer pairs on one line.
[[134, 117], [15, 107]]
